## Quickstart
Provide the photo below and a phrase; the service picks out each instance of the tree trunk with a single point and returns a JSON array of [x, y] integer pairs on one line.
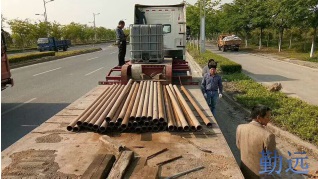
[[281, 31], [246, 42], [313, 43], [260, 39], [290, 41], [267, 39]]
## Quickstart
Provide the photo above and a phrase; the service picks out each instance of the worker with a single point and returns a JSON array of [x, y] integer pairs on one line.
[[211, 86], [252, 139], [121, 42], [206, 68]]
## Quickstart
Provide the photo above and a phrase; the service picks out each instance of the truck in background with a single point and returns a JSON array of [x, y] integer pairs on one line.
[[173, 19], [229, 42], [5, 68], [52, 44]]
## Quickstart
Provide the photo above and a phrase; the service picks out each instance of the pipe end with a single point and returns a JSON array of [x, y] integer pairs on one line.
[[171, 128], [186, 128], [209, 125], [199, 128], [155, 121], [161, 119], [69, 128]]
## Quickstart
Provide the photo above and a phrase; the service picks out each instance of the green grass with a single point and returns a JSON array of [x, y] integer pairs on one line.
[[76, 52], [291, 114]]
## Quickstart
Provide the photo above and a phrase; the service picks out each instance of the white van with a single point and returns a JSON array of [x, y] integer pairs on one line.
[[173, 19]]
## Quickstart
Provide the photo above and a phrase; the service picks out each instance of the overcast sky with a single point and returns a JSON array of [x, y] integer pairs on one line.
[[79, 11]]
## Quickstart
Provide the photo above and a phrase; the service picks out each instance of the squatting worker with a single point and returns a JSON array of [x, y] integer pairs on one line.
[[121, 42], [212, 87], [252, 139], [206, 68]]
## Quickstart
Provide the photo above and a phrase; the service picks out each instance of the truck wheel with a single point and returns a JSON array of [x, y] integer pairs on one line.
[[64, 48], [223, 49]]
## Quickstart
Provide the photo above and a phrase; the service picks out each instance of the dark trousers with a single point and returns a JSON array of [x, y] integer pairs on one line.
[[122, 53]]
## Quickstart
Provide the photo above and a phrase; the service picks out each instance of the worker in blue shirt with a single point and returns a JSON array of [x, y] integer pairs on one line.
[[121, 42], [212, 87]]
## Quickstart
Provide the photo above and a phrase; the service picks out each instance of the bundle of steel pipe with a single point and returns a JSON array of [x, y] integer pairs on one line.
[[140, 107]]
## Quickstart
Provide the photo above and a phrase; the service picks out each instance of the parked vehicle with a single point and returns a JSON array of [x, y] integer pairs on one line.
[[5, 68], [52, 44]]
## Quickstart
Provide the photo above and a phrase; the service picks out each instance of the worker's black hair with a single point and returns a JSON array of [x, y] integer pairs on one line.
[[121, 22], [259, 110], [212, 64]]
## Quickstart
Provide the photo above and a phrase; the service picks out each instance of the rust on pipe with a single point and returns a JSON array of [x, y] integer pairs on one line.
[[115, 117], [136, 102], [105, 105], [99, 107], [192, 126], [178, 110], [141, 102], [131, 100], [146, 101], [207, 121], [187, 110], [128, 101], [160, 103], [169, 112], [118, 101], [150, 103], [75, 121], [103, 127], [109, 104], [155, 104]]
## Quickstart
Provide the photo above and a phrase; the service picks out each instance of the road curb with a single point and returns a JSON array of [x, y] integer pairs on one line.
[[285, 135], [44, 59]]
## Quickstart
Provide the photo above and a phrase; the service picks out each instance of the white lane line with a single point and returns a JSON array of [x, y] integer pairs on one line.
[[112, 52], [93, 71], [92, 58], [16, 107], [47, 71]]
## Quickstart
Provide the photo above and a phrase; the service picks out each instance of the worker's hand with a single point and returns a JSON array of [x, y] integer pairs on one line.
[[220, 95], [205, 95]]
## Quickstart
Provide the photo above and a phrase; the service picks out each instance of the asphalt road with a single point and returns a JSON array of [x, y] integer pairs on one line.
[[42, 90], [297, 81], [71, 48]]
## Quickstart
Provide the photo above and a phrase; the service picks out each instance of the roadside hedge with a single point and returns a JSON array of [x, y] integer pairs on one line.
[[31, 56], [290, 114], [226, 66]]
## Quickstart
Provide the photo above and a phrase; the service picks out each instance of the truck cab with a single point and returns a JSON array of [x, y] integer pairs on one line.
[[5, 68], [173, 19], [52, 44]]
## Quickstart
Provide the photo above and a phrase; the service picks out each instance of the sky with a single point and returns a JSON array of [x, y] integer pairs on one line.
[[79, 11]]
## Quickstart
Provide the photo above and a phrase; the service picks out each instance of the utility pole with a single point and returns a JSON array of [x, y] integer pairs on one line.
[[45, 14], [95, 27], [202, 26]]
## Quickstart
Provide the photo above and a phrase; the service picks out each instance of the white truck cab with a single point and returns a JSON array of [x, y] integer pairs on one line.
[[173, 19]]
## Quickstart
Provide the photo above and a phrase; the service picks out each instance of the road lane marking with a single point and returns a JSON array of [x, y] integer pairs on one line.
[[47, 71], [92, 58], [93, 71], [16, 107]]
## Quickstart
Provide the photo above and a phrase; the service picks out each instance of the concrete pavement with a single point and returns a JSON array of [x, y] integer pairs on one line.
[[297, 81]]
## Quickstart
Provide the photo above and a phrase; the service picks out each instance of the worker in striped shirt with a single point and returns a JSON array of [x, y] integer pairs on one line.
[[212, 87]]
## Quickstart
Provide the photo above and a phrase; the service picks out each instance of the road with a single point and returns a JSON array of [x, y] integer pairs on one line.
[[297, 81], [42, 90], [78, 47]]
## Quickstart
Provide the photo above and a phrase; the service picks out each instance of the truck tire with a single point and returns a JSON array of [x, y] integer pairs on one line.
[[64, 48], [223, 49]]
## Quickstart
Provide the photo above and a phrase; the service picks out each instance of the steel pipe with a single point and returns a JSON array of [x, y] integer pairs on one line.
[[92, 117], [155, 128], [141, 102], [118, 102], [127, 102], [103, 127], [207, 121], [146, 101], [178, 112], [187, 109], [169, 112], [160, 102], [115, 117], [75, 121], [150, 102], [136, 102], [155, 111], [76, 128], [131, 99]]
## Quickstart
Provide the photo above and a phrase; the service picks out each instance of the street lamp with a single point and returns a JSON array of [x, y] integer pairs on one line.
[[95, 25], [45, 14]]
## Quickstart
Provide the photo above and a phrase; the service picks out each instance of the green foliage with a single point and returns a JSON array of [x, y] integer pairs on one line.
[[31, 56], [291, 114]]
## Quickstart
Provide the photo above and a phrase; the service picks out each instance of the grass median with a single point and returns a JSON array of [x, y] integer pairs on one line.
[[290, 114]]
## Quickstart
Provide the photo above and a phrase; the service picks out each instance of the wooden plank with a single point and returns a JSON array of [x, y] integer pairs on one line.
[[119, 169], [100, 167], [137, 164], [147, 172]]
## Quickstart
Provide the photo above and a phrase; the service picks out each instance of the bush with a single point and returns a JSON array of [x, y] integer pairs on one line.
[[226, 66], [30, 56]]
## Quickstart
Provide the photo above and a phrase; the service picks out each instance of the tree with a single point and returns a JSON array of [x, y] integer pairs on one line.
[[21, 31]]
